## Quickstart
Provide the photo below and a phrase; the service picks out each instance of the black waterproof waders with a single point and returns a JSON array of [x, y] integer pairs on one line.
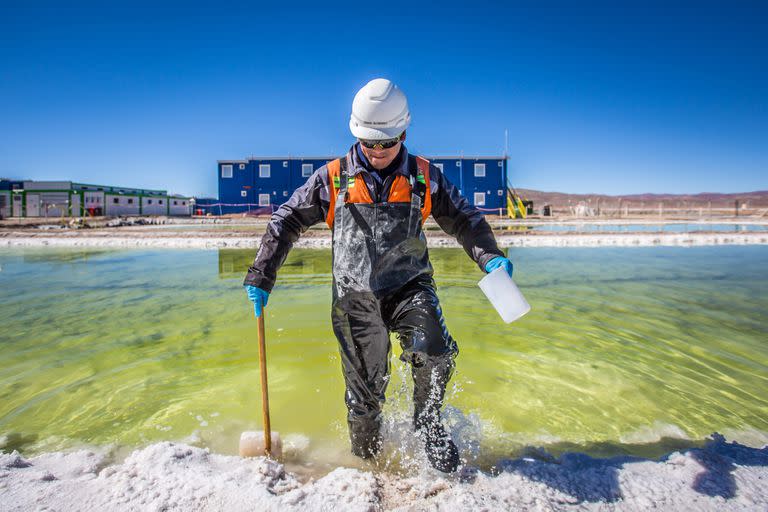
[[383, 283]]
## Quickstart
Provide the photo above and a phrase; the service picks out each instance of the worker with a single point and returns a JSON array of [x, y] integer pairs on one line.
[[376, 200]]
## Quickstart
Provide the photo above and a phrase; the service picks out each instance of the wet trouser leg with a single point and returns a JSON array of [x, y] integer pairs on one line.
[[362, 324], [364, 348], [414, 313]]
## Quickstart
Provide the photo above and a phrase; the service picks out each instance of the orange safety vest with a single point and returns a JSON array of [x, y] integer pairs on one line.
[[399, 192]]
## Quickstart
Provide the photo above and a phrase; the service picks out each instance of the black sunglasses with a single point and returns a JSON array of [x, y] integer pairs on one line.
[[380, 144]]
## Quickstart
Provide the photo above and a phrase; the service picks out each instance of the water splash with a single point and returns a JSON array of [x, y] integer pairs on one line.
[[402, 449]]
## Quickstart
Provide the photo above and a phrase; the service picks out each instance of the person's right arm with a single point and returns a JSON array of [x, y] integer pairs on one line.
[[307, 206]]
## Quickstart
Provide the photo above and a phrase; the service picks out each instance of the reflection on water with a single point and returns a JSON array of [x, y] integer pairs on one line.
[[302, 266], [623, 347], [65, 256]]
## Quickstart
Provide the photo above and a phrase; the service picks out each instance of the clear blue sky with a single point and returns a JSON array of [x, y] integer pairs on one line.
[[597, 97]]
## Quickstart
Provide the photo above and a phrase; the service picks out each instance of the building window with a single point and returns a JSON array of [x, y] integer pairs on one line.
[[175, 203], [479, 170], [149, 201], [183, 203], [439, 166], [306, 170], [130, 200], [479, 199], [160, 201], [243, 193], [226, 171], [115, 200], [264, 170], [242, 166], [263, 199]]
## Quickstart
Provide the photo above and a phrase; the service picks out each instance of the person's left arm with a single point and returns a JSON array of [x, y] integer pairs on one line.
[[457, 217]]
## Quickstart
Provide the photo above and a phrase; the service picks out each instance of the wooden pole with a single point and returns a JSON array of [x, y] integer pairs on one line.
[[264, 391]]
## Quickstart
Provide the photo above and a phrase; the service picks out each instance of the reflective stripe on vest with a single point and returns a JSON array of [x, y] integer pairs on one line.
[[423, 177], [399, 192], [334, 168]]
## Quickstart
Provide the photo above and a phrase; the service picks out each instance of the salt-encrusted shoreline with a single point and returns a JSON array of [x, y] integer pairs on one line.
[[719, 477], [213, 241]]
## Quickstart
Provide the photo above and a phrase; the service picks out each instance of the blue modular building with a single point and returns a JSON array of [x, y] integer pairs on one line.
[[261, 184]]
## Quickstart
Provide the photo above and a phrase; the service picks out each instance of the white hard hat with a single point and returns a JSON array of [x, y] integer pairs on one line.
[[379, 111]]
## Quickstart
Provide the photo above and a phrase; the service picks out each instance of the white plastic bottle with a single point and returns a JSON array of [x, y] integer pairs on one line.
[[504, 295]]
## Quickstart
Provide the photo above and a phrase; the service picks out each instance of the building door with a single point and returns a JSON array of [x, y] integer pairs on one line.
[[74, 205], [33, 205], [16, 203], [54, 204]]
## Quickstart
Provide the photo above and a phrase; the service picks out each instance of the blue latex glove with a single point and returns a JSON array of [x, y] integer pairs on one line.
[[499, 261], [258, 296]]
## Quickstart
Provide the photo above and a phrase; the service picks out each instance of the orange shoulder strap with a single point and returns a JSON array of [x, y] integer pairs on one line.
[[423, 178], [334, 169]]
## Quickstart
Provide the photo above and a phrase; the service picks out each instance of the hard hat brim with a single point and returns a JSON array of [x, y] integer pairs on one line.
[[365, 132]]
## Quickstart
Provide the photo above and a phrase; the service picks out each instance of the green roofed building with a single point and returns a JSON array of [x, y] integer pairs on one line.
[[52, 199]]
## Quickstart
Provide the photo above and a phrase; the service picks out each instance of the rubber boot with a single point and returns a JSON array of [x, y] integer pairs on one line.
[[429, 381], [440, 448], [364, 435]]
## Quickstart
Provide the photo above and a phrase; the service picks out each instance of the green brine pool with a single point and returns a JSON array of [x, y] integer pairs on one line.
[[626, 350]]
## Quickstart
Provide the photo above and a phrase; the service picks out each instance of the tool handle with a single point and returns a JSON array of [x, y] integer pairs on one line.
[[264, 391]]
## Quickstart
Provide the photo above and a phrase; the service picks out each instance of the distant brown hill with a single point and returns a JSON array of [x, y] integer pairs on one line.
[[748, 202]]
